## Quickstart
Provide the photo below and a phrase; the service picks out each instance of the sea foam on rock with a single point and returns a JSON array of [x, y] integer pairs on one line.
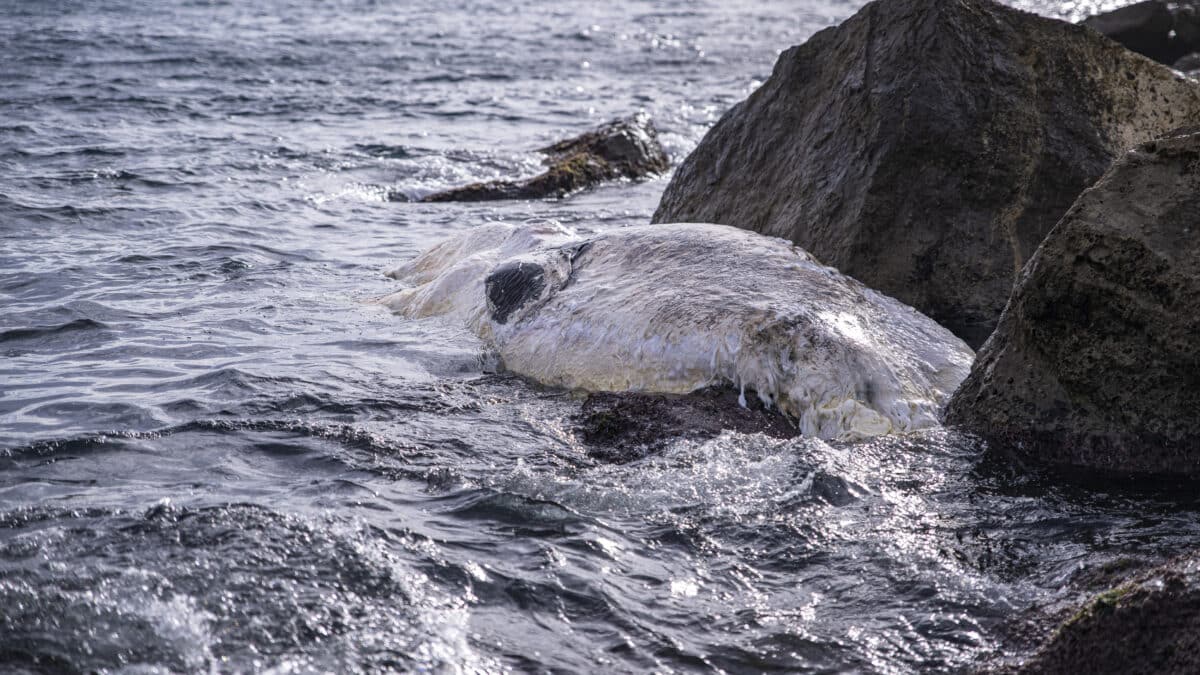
[[925, 147], [676, 308], [1096, 361]]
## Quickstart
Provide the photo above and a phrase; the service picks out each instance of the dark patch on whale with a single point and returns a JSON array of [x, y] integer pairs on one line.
[[511, 286]]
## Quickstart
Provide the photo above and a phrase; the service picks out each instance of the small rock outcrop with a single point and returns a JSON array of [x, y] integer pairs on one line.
[[1150, 624], [1163, 31], [925, 147], [626, 148], [1096, 361]]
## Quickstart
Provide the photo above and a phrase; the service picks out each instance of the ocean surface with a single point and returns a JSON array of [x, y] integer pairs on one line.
[[216, 455]]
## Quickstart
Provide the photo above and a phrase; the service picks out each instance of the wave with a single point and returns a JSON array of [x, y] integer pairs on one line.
[[39, 332], [234, 586], [261, 409]]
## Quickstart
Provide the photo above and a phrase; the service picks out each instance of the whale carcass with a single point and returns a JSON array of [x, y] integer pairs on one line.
[[679, 307]]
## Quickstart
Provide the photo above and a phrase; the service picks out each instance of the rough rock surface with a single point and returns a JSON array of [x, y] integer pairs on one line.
[[1021, 634], [674, 309], [1163, 31], [1096, 361], [925, 147], [628, 426], [626, 148], [1150, 624]]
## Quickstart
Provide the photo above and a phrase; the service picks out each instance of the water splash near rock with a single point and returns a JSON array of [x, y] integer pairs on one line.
[[625, 148]]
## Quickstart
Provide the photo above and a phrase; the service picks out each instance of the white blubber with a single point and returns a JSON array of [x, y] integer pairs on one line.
[[678, 307]]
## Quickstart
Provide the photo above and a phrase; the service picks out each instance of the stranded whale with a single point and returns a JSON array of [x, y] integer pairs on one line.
[[675, 308]]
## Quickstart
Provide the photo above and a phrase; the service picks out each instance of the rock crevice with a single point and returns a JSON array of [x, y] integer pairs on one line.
[[1095, 363]]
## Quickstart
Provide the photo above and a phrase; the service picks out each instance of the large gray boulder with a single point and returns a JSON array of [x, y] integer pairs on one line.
[[925, 147], [1096, 360]]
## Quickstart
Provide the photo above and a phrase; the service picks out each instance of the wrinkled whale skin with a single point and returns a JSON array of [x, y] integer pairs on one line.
[[676, 308]]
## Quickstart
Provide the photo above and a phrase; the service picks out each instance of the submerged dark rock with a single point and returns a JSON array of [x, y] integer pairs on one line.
[[627, 148], [1163, 31], [926, 147], [621, 427], [1149, 624], [1096, 363]]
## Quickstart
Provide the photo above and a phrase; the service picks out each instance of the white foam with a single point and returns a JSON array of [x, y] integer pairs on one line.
[[426, 174], [674, 308]]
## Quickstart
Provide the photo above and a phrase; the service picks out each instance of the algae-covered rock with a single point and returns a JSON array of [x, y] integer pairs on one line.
[[626, 148], [1096, 361], [1149, 624], [925, 147]]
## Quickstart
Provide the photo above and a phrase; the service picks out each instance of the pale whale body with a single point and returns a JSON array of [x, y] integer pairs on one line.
[[674, 308]]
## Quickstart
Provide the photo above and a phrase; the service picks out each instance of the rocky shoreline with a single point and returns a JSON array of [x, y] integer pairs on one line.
[[969, 158], [1134, 617], [1031, 185], [927, 148]]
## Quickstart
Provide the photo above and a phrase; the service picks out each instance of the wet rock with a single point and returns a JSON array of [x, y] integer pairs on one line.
[[622, 427], [1150, 624], [1095, 363], [1021, 635], [626, 148], [1163, 31], [926, 147]]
